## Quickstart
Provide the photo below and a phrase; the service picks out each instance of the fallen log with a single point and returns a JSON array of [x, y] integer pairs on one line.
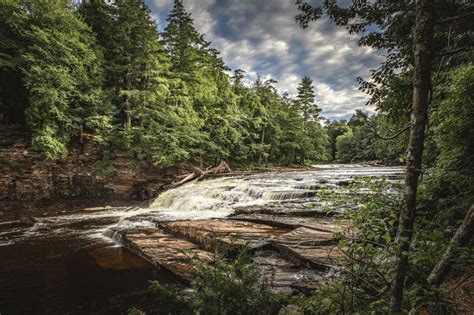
[[186, 179], [460, 239], [222, 168]]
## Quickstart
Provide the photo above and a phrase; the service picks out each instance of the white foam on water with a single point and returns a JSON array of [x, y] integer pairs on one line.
[[209, 199]]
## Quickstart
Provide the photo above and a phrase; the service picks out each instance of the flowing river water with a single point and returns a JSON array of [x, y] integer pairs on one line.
[[72, 264]]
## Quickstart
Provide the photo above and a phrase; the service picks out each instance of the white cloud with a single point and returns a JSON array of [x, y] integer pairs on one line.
[[262, 38]]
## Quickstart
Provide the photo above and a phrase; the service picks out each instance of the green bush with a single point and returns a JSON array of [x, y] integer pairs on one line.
[[229, 285], [362, 283], [104, 167]]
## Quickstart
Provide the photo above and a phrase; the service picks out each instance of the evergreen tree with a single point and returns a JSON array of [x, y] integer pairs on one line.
[[135, 60], [306, 100], [151, 102], [288, 143], [250, 122], [202, 70], [314, 135], [185, 45]]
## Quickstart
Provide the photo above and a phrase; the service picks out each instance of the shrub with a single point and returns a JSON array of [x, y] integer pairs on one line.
[[231, 284]]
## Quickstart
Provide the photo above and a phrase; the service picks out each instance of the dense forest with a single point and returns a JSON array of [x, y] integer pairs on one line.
[[100, 72], [104, 73]]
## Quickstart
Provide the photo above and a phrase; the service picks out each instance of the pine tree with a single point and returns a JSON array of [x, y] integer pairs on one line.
[[183, 42], [306, 100], [202, 70], [314, 134], [153, 106]]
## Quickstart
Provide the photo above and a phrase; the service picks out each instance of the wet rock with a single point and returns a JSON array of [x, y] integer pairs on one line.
[[289, 194], [285, 221], [231, 232], [316, 248], [290, 260], [27, 221], [303, 209], [173, 247], [165, 251], [284, 276], [344, 183]]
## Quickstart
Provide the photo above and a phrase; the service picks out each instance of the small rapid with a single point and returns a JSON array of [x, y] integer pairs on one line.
[[219, 197]]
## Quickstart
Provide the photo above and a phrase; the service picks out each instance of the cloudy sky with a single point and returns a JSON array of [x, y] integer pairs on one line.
[[262, 38]]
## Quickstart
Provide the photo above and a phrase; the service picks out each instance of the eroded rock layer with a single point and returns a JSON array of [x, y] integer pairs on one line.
[[291, 259]]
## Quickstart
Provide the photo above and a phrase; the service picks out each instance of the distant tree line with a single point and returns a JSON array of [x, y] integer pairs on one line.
[[100, 69]]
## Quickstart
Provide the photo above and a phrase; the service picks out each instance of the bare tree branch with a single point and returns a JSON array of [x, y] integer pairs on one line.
[[461, 238], [396, 134], [454, 51], [454, 18]]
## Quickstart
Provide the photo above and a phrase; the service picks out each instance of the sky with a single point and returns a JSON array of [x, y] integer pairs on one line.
[[262, 38]]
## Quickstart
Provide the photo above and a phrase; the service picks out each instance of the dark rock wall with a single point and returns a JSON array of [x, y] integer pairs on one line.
[[27, 177]]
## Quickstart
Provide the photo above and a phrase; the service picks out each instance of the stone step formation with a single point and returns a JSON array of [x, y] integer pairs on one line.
[[292, 257]]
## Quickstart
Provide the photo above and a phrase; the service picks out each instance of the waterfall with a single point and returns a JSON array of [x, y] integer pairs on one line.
[[212, 198]]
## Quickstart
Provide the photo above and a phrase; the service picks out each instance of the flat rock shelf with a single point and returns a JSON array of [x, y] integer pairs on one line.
[[291, 258]]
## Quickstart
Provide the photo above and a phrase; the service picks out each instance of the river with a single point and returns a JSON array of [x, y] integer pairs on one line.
[[72, 264]]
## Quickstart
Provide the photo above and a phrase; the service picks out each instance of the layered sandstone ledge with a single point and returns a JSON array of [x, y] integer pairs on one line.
[[28, 180], [292, 257]]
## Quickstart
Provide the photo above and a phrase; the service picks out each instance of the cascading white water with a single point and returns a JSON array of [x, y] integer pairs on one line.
[[213, 198], [217, 198]]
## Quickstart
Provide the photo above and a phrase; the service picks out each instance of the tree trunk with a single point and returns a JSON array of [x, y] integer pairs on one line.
[[460, 239], [81, 135], [221, 168], [127, 123], [421, 88], [128, 116], [262, 141]]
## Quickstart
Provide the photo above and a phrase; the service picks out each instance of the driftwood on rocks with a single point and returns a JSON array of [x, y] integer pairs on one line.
[[460, 239], [221, 168]]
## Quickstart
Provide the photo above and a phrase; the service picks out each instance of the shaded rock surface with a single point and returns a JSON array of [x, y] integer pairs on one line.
[[290, 260], [287, 221], [212, 232], [29, 180], [285, 276], [165, 251]]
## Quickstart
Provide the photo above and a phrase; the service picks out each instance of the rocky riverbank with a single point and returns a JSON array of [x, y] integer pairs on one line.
[[291, 259], [31, 182]]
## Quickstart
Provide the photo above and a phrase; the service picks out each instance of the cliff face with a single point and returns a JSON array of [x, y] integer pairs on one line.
[[28, 178]]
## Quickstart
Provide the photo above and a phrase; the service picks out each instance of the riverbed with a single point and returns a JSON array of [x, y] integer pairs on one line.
[[74, 263]]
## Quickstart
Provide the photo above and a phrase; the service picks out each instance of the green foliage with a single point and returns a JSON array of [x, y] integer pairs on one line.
[[451, 183], [232, 287], [104, 167], [335, 129], [226, 286], [135, 311], [305, 100], [360, 139], [101, 68], [367, 266], [60, 67]]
